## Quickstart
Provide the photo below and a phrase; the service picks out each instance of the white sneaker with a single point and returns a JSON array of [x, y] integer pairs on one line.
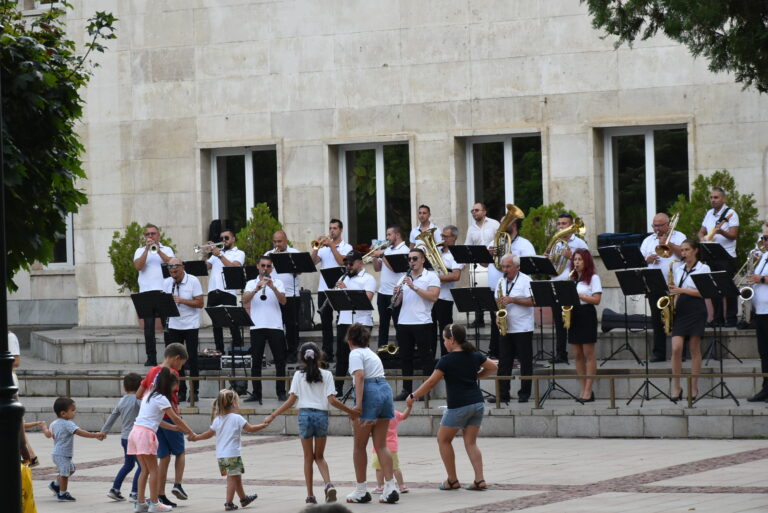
[[156, 507], [359, 496], [389, 495], [140, 507]]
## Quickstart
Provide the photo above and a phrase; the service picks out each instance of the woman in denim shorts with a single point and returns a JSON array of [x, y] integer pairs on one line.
[[461, 367]]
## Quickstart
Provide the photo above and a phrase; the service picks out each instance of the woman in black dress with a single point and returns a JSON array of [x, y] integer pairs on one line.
[[583, 333]]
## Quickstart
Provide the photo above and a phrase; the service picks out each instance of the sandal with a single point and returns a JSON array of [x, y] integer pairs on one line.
[[229, 506], [34, 462], [476, 486], [450, 485]]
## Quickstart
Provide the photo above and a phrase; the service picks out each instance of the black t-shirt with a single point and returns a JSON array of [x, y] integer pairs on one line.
[[460, 369]]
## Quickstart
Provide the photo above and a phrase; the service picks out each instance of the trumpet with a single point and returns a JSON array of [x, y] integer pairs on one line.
[[206, 248], [318, 242], [377, 246], [263, 295], [663, 250], [501, 313], [153, 248]]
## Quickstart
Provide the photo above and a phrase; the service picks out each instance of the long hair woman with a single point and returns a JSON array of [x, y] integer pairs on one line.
[[583, 333]]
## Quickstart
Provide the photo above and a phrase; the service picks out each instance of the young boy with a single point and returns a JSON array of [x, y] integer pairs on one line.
[[169, 442], [126, 409], [63, 431], [392, 445]]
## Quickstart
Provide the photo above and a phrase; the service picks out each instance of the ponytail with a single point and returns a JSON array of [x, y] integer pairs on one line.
[[311, 362], [458, 333]]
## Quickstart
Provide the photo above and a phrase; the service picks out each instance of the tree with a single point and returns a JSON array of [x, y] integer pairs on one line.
[[732, 34], [121, 255], [256, 237], [41, 76], [540, 224]]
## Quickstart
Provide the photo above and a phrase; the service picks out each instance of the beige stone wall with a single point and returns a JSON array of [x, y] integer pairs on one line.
[[185, 76]]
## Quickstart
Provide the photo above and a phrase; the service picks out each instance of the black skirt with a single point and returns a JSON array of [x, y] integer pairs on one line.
[[690, 317], [583, 325]]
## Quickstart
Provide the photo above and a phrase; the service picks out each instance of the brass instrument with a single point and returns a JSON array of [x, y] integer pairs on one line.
[[206, 248], [557, 252], [390, 349], [427, 237], [666, 304], [502, 240], [153, 248], [711, 234], [263, 296], [318, 242], [399, 293], [663, 250], [501, 313], [567, 310], [378, 246], [742, 275]]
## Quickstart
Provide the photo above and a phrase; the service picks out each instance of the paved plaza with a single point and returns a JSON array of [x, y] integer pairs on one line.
[[524, 474]]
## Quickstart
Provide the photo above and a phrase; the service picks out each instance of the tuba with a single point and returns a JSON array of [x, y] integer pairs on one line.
[[501, 313], [666, 304], [502, 241], [427, 237], [556, 251], [663, 250]]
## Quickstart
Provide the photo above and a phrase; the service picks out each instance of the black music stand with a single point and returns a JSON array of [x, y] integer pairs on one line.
[[231, 317], [554, 294], [474, 299], [472, 255], [235, 277], [716, 286], [251, 272], [653, 284], [294, 264], [398, 262], [330, 276], [541, 266], [154, 303], [196, 267], [715, 256], [631, 283]]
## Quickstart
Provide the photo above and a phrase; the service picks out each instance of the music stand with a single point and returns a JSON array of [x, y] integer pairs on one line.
[[539, 265], [294, 264], [154, 303], [331, 276], [474, 299], [631, 284], [716, 286], [554, 294], [398, 262], [230, 317], [472, 255], [196, 267], [251, 272], [714, 255]]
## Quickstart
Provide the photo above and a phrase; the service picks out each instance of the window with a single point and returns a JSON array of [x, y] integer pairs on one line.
[[63, 249], [376, 190], [646, 168], [504, 169], [241, 178]]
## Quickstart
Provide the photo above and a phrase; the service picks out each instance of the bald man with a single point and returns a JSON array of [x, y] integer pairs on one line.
[[292, 284]]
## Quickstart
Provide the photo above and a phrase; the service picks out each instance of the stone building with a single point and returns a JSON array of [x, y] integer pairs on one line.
[[203, 107]]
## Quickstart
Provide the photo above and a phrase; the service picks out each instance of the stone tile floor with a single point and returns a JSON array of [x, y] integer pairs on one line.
[[532, 475]]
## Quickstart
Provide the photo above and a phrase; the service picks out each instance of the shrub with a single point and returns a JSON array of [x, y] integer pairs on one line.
[[256, 237], [540, 224], [121, 255]]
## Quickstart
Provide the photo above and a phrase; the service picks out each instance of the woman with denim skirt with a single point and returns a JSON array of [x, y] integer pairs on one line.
[[461, 368]]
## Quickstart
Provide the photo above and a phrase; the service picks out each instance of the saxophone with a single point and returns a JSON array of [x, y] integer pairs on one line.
[[667, 303], [501, 313], [568, 309]]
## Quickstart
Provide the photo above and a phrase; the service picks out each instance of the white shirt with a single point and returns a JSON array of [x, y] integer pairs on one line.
[[683, 278], [361, 281], [389, 278], [521, 247], [415, 309], [151, 276], [228, 428], [417, 231], [574, 243], [482, 235], [189, 288], [312, 395], [760, 299], [288, 278], [216, 280], [710, 220], [648, 247], [265, 314], [446, 286], [151, 411], [519, 317], [328, 261], [13, 344], [594, 286], [365, 359]]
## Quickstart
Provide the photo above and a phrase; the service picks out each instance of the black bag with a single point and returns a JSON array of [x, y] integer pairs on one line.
[[613, 320], [306, 311]]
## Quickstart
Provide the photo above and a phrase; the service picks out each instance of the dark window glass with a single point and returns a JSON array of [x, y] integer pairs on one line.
[[526, 157], [265, 179], [231, 185], [397, 189], [60, 251], [629, 183], [361, 196], [671, 154], [488, 165]]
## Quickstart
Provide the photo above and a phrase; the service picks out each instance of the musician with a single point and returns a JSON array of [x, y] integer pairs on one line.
[[388, 280], [229, 256], [725, 222], [514, 291], [661, 235], [759, 281], [188, 296], [442, 312], [356, 279], [265, 295], [480, 232], [292, 284], [564, 221], [416, 292], [330, 254], [690, 314], [149, 265], [583, 333], [423, 214]]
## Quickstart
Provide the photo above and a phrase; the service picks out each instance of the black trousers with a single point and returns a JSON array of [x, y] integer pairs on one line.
[[659, 337], [442, 316], [385, 315], [326, 321], [218, 298], [150, 342], [561, 334], [190, 340], [276, 340], [493, 346], [761, 324], [520, 346], [290, 318], [414, 340], [731, 303], [342, 356]]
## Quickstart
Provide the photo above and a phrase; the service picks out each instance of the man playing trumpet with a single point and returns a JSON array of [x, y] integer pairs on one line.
[[388, 280], [218, 294]]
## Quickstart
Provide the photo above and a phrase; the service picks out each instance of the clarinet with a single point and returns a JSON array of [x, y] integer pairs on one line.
[[395, 297], [263, 296]]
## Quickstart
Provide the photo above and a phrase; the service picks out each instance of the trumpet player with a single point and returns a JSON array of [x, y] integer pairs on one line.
[[329, 253], [442, 312], [656, 258], [292, 284], [388, 280], [513, 291], [149, 264], [759, 282], [423, 214], [218, 294]]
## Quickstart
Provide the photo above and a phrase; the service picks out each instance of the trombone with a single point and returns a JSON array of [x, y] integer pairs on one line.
[[663, 250], [376, 246]]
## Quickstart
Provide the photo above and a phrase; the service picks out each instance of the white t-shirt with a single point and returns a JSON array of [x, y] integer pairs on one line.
[[519, 317], [446, 286], [361, 281], [521, 247], [365, 359], [710, 220], [594, 287], [415, 309], [417, 231], [683, 278], [328, 261], [312, 395], [265, 314], [389, 277], [216, 280], [481, 235], [189, 288], [151, 276], [291, 290], [574, 243], [228, 428], [13, 344], [760, 299], [648, 247], [151, 411]]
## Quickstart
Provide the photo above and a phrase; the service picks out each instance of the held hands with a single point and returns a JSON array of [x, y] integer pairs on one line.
[[193, 437], [101, 436], [268, 420], [410, 400], [355, 412]]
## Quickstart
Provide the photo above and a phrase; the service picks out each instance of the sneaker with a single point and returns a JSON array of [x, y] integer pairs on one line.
[[115, 495], [330, 493], [249, 499], [229, 506], [358, 496], [156, 507], [311, 500], [179, 492], [54, 488], [65, 497], [390, 494], [378, 490], [134, 496], [162, 499], [140, 507], [403, 489]]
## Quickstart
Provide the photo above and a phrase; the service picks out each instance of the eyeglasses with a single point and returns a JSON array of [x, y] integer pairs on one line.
[[175, 266], [150, 234], [265, 266], [475, 210], [659, 225], [413, 259]]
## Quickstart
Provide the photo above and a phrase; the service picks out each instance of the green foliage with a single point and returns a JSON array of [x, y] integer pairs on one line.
[[731, 34], [121, 255], [41, 78], [692, 211], [256, 237], [540, 224]]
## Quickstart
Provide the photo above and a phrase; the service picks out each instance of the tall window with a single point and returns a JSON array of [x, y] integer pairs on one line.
[[646, 168], [504, 169], [241, 178], [375, 190], [63, 249]]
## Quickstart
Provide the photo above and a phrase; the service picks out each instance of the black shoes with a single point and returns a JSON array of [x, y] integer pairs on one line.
[[522, 398], [151, 361], [657, 359], [164, 500], [402, 396], [503, 399], [590, 400], [253, 399], [559, 359], [761, 396]]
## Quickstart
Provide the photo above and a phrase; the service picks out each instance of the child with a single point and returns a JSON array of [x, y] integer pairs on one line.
[[314, 388], [142, 441], [227, 425], [63, 430], [126, 409], [392, 444], [169, 442]]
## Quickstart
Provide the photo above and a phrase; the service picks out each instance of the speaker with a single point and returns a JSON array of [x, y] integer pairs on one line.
[[306, 311]]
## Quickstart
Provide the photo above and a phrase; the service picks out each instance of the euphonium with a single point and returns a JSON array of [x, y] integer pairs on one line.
[[663, 250], [501, 313], [666, 304], [502, 241], [557, 252], [427, 237]]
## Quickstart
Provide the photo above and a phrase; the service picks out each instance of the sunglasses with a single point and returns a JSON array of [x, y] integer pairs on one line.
[[413, 259], [174, 266], [226, 237], [475, 210], [265, 266]]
